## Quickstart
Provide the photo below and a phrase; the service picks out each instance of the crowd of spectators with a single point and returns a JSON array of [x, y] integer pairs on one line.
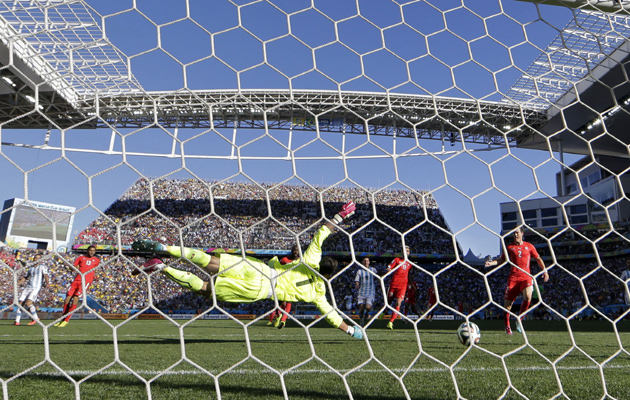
[[461, 288], [217, 214], [584, 241], [265, 216]]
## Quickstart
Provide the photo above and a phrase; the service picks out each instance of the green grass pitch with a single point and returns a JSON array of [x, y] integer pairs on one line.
[[207, 359]]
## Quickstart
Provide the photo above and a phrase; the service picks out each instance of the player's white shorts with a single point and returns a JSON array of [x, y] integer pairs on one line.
[[369, 300], [30, 294]]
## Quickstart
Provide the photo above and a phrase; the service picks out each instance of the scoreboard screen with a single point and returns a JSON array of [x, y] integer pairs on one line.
[[36, 220]]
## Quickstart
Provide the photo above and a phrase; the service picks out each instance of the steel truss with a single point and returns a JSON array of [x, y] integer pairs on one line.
[[589, 39], [593, 5], [424, 117], [65, 74]]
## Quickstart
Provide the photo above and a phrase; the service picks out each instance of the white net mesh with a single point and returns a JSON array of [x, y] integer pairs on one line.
[[240, 125]]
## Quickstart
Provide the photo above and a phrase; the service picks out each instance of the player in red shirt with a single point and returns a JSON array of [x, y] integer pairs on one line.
[[411, 298], [85, 264], [277, 317], [398, 285], [519, 281], [432, 301]]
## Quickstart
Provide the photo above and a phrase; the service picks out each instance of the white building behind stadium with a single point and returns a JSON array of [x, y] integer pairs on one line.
[[604, 196]]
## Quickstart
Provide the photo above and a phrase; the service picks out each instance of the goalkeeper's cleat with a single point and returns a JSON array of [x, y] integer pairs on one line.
[[154, 264], [390, 325], [33, 322], [62, 324], [148, 245], [518, 328], [281, 324], [276, 321], [56, 325], [17, 324], [508, 329], [269, 323]]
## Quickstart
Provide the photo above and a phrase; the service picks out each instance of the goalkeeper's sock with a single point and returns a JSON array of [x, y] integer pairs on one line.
[[507, 318], [198, 257], [184, 278], [395, 314], [72, 308]]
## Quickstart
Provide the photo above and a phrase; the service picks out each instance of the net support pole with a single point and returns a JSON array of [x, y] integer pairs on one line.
[[232, 154], [563, 189], [175, 134], [112, 141], [290, 142]]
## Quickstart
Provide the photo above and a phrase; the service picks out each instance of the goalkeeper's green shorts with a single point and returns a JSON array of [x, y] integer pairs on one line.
[[241, 281]]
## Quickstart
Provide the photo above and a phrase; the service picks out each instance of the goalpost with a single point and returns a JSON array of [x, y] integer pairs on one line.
[[475, 115]]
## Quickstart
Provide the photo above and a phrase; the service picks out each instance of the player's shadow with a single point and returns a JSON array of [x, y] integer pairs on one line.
[[203, 388], [141, 340], [255, 392]]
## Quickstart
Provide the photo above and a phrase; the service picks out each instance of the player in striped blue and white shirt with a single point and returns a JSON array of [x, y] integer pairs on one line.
[[36, 278], [625, 275], [365, 284]]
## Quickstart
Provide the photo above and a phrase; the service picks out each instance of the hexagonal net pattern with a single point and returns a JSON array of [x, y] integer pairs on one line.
[[236, 129]]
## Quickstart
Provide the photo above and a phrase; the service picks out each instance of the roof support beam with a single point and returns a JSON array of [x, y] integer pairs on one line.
[[594, 5]]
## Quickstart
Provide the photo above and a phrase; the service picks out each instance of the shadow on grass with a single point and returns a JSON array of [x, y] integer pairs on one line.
[[205, 389], [139, 341]]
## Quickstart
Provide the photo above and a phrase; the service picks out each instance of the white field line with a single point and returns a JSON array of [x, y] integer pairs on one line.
[[316, 371], [257, 335]]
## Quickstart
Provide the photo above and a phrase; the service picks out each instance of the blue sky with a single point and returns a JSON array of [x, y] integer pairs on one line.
[[465, 49]]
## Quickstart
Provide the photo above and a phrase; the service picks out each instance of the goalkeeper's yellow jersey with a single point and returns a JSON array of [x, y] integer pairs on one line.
[[297, 282]]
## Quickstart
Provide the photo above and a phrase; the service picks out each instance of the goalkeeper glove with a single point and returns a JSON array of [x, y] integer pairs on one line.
[[355, 332], [346, 211]]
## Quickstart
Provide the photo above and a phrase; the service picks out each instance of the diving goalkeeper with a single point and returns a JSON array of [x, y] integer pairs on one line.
[[250, 280]]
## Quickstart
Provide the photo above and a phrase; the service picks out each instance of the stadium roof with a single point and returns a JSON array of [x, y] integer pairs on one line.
[[60, 77], [581, 82], [589, 39], [62, 69], [388, 114], [62, 44], [593, 5]]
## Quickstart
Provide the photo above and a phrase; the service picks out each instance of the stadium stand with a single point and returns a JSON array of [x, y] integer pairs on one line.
[[185, 204]]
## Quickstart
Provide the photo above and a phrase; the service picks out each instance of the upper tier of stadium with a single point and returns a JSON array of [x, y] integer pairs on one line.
[[271, 218]]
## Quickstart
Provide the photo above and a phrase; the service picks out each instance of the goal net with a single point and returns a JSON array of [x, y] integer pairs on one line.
[[239, 127]]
